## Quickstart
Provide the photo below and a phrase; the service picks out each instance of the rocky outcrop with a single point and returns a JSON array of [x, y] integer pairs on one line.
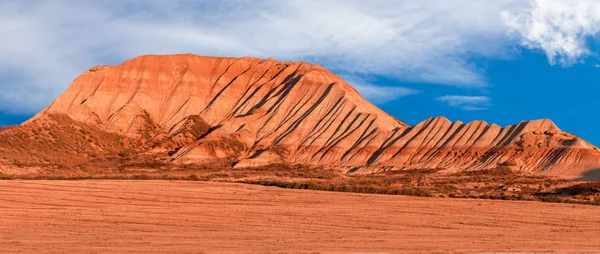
[[57, 141], [257, 112], [536, 146]]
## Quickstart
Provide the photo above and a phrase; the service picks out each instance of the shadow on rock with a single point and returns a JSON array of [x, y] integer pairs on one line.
[[592, 175]]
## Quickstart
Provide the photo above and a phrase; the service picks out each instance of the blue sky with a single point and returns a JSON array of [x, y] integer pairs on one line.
[[501, 61]]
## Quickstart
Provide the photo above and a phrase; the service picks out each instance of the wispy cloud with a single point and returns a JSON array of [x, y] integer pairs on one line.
[[560, 28], [376, 93], [48, 43], [468, 103]]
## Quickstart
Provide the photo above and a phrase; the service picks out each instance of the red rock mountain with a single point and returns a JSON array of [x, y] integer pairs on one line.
[[259, 112]]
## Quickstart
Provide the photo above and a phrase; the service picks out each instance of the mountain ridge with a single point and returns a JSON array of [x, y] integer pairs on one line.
[[261, 111]]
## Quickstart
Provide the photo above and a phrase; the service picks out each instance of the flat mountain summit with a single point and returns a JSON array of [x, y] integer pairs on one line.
[[255, 112]]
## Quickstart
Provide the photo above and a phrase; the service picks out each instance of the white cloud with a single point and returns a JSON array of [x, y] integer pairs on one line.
[[378, 94], [559, 27], [46, 44], [468, 103]]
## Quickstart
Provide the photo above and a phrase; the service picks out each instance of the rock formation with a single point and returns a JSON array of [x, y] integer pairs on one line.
[[257, 112]]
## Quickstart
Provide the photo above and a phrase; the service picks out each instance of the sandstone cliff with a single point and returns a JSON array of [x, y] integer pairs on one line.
[[257, 112]]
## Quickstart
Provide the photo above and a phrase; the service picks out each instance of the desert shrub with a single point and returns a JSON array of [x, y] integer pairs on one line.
[[590, 188], [140, 177], [552, 199], [499, 171]]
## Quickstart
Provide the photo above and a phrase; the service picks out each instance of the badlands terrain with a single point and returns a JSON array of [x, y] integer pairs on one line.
[[196, 217], [288, 124], [253, 112], [189, 153]]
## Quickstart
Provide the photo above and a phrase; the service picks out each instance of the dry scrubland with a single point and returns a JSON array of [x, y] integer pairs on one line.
[[499, 183], [192, 217]]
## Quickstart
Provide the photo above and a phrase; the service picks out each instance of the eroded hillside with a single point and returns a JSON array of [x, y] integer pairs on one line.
[[256, 112]]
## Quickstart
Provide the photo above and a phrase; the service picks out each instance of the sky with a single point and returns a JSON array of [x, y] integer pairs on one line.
[[501, 61]]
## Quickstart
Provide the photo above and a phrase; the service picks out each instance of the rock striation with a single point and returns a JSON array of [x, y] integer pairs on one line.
[[257, 112]]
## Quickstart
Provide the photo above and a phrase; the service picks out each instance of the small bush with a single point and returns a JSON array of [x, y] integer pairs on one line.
[[140, 177]]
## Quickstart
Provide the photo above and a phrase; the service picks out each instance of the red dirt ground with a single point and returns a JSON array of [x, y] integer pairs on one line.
[[191, 217]]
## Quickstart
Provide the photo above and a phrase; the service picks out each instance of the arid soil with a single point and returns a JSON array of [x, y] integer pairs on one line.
[[189, 216], [499, 183]]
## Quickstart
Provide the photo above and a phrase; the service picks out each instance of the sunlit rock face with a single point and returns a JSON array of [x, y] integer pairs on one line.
[[260, 112]]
